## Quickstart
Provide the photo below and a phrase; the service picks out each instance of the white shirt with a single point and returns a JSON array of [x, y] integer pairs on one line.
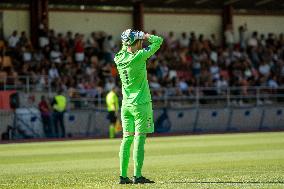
[[229, 37], [252, 42], [55, 56], [264, 69], [27, 56], [183, 42], [13, 40], [183, 86], [53, 73], [109, 86], [214, 70], [272, 84], [214, 56], [154, 85]]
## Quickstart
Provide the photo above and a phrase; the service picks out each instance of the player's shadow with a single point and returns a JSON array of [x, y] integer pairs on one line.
[[226, 182]]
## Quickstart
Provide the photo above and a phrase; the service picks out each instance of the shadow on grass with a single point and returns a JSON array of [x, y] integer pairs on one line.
[[225, 182]]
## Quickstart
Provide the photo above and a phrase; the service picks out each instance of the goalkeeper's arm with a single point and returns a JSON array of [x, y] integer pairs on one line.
[[155, 41]]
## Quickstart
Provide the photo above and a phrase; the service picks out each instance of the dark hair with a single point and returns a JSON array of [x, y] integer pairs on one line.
[[135, 42]]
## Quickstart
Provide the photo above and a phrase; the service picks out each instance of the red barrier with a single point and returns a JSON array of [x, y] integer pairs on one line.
[[5, 99]]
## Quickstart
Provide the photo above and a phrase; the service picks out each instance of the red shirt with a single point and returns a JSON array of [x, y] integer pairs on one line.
[[79, 47], [43, 107]]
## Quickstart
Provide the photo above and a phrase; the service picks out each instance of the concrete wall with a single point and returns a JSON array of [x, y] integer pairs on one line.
[[115, 23], [164, 23], [112, 23]]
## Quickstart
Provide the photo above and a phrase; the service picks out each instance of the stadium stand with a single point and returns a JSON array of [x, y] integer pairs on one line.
[[183, 62]]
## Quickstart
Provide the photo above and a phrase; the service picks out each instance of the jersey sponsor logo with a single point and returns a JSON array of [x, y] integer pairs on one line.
[[123, 64]]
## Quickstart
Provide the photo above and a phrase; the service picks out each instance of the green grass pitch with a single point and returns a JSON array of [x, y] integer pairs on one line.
[[254, 160]]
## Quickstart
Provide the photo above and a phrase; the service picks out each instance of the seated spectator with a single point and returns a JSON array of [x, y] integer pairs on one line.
[[272, 82], [264, 69], [183, 86], [56, 55], [202, 62], [53, 72], [215, 71]]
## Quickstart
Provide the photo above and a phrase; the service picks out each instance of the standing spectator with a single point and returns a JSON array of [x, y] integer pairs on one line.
[[45, 116], [70, 40], [183, 41], [229, 37], [13, 40], [213, 40], [108, 47], [59, 107], [242, 35], [43, 35], [171, 40], [112, 108], [23, 40], [262, 40], [253, 41], [79, 49]]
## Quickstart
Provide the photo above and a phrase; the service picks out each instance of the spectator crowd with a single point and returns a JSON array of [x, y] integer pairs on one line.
[[83, 66]]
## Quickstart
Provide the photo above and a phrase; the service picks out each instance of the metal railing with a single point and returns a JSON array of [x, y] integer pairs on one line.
[[37, 83], [173, 97]]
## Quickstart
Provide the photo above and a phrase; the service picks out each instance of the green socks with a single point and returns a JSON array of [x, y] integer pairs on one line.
[[138, 154], [111, 131], [124, 154]]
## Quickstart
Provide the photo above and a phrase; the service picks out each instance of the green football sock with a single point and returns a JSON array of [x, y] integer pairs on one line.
[[138, 154], [111, 131], [124, 154]]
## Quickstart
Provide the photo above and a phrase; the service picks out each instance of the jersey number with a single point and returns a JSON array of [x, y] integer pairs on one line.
[[126, 76]]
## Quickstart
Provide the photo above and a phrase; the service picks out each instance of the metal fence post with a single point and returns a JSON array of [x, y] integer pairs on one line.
[[228, 97], [100, 101], [5, 83], [49, 87], [27, 84], [257, 96], [197, 97]]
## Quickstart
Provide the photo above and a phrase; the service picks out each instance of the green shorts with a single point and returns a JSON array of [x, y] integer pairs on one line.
[[137, 118]]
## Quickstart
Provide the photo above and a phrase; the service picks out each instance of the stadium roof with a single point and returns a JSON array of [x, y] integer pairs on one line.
[[277, 5]]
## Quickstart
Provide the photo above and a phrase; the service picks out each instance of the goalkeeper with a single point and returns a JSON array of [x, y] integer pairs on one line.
[[136, 110]]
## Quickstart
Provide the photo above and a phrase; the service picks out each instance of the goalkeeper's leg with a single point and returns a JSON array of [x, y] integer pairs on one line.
[[143, 125], [124, 153], [138, 153], [128, 137]]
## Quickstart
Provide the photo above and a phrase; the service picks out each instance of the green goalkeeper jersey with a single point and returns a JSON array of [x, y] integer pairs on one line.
[[133, 74]]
